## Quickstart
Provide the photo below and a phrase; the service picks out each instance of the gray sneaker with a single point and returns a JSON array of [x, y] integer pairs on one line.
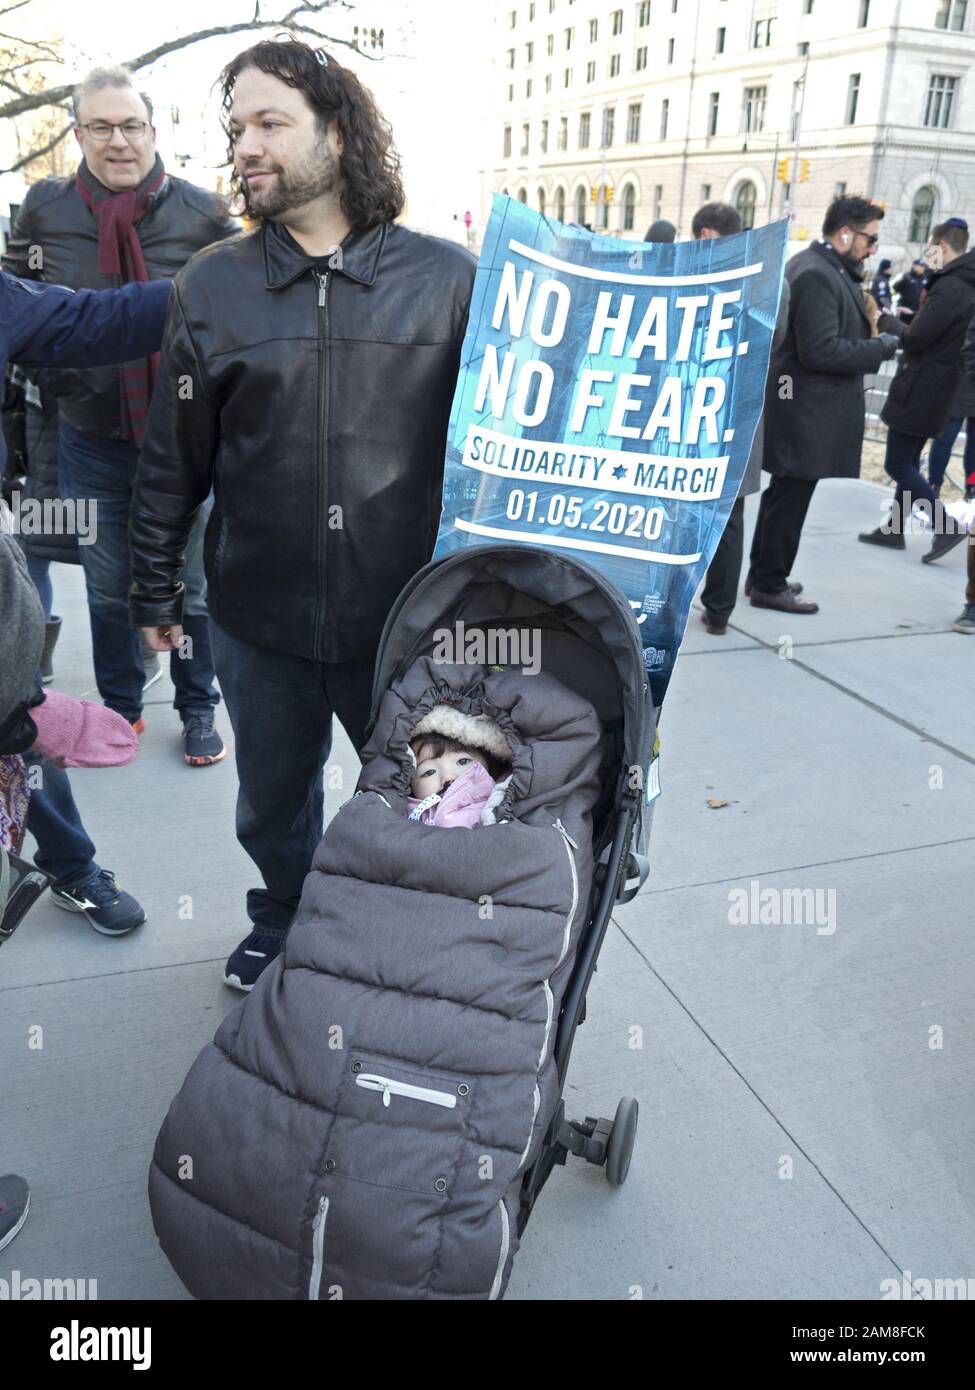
[[966, 623], [14, 1206]]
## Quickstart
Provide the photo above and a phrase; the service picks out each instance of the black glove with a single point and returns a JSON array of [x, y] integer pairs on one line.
[[891, 343]]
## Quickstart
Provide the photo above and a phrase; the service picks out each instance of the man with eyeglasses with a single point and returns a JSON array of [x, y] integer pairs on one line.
[[814, 407], [120, 218]]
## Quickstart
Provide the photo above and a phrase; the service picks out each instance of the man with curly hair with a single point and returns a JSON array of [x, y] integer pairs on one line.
[[307, 374]]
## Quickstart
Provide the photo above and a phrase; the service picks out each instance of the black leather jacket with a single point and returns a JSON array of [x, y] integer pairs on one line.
[[180, 220], [316, 404]]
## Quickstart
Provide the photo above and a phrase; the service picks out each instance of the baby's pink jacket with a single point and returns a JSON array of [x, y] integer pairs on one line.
[[462, 802]]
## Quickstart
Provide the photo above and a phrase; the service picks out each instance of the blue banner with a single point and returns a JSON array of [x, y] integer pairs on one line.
[[608, 397]]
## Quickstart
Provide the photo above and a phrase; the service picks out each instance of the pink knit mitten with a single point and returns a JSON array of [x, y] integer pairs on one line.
[[76, 733]]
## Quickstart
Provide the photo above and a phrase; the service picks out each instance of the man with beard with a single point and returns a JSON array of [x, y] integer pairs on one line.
[[308, 371], [814, 411]]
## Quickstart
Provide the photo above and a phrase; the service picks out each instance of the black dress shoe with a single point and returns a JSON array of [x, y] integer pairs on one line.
[[785, 602], [890, 539], [942, 544], [750, 584], [714, 625]]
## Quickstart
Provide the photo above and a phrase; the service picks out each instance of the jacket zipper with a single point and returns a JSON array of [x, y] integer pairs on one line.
[[503, 1254], [322, 528], [318, 1249], [371, 1082], [570, 845]]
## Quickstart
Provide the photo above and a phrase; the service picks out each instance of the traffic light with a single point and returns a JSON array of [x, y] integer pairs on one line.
[[783, 168], [606, 191], [803, 170]]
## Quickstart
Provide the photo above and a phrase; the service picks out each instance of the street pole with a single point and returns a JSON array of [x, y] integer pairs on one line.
[[775, 178], [795, 166]]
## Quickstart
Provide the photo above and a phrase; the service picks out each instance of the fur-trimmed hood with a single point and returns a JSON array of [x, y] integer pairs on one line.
[[472, 730]]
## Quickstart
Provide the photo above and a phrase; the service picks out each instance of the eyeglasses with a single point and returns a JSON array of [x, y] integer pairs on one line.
[[872, 241], [103, 130]]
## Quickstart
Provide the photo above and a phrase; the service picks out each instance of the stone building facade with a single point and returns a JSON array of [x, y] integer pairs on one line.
[[665, 104]]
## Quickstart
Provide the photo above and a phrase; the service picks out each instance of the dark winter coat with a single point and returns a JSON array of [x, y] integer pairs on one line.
[[41, 325], [180, 219], [319, 412], [814, 404], [922, 393], [41, 483], [909, 289], [422, 958]]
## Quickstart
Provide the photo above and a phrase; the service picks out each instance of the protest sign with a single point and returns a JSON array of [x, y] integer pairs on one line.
[[608, 397]]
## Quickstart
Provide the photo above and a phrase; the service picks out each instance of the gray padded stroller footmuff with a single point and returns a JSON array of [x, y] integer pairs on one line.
[[360, 1124]]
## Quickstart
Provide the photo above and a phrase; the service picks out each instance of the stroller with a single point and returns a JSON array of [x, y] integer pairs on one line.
[[285, 1170]]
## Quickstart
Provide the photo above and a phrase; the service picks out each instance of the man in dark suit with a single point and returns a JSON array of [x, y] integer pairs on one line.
[[814, 410]]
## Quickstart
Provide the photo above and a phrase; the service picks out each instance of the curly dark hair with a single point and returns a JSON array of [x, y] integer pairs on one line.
[[372, 190], [851, 210]]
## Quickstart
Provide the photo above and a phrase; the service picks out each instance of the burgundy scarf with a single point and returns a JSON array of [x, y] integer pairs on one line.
[[120, 253]]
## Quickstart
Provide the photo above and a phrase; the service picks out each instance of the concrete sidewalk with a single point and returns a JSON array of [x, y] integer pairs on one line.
[[806, 1123]]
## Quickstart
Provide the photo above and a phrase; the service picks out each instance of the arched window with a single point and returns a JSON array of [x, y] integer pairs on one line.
[[541, 201], [523, 195], [745, 201], [922, 213], [506, 193], [560, 204], [629, 207], [580, 205]]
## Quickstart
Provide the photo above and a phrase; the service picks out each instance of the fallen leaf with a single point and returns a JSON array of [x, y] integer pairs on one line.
[[716, 804]]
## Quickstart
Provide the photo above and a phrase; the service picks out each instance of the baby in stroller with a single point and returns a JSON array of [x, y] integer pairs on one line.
[[462, 765]]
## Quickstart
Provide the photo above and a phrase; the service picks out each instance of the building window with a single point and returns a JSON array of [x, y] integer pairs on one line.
[[941, 99], [863, 19], [633, 123], [664, 117], [529, 52], [853, 98], [585, 121], [753, 110], [719, 41], [511, 92], [951, 15], [643, 14], [658, 198], [506, 150], [567, 79], [839, 191], [550, 45], [569, 36], [803, 50], [528, 87], [563, 132], [525, 135], [714, 105], [616, 22], [629, 208], [512, 18], [544, 138], [511, 57], [523, 195], [641, 58], [548, 82], [762, 33], [591, 70], [581, 206], [745, 201], [593, 30], [670, 50], [531, 12], [560, 205], [541, 201], [609, 123], [807, 7], [705, 193], [614, 65], [922, 214]]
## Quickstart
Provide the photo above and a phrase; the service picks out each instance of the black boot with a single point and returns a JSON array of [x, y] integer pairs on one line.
[[892, 540], [52, 629], [948, 534]]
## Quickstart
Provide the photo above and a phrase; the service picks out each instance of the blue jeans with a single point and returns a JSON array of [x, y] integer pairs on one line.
[[102, 471], [63, 846], [940, 452], [281, 708]]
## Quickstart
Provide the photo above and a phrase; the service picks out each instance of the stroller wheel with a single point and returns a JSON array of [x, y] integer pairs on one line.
[[619, 1150]]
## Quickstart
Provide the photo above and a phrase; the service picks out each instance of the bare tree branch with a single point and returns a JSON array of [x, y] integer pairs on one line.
[[38, 154], [54, 95]]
